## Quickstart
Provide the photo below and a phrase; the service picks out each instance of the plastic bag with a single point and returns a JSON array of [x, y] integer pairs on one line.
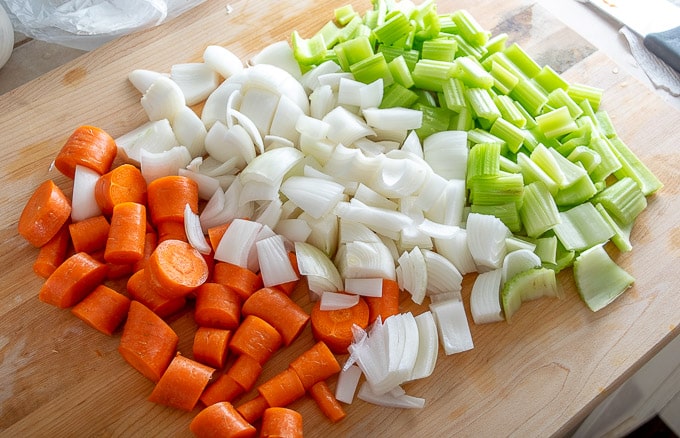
[[87, 24]]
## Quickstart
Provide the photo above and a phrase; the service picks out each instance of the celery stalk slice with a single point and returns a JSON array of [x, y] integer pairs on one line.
[[528, 285], [599, 280]]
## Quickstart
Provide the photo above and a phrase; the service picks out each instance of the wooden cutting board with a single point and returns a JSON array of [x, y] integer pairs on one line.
[[538, 376]]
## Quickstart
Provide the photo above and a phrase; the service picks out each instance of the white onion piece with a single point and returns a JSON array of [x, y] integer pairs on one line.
[[372, 95], [437, 230], [393, 118], [518, 261], [237, 242], [155, 165], [272, 166], [249, 126], [349, 92], [314, 262], [196, 80], [310, 80], [456, 198], [212, 209], [369, 352], [285, 119], [411, 237], [212, 167], [351, 231], [412, 274], [259, 106], [279, 54], [83, 203], [273, 261], [395, 340], [457, 251], [222, 60], [270, 214], [390, 135], [446, 152], [190, 131], [338, 300], [222, 207], [366, 259], [346, 386], [295, 230], [321, 101], [452, 325], [223, 143], [373, 217], [142, 79], [215, 104], [333, 79], [324, 231], [152, 136], [442, 275], [399, 176], [275, 142], [485, 303], [366, 287], [315, 196], [388, 400], [431, 192], [194, 232], [345, 127], [351, 164], [428, 346], [258, 191], [206, 184], [412, 144], [369, 147], [163, 99], [411, 347], [486, 236]]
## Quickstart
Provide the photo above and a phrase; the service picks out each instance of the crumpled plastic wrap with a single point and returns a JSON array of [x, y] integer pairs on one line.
[[87, 24]]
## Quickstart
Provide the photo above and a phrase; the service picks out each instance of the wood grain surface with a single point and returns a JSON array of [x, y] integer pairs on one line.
[[538, 376]]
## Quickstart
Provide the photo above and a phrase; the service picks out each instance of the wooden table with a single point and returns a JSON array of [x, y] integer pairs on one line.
[[538, 376]]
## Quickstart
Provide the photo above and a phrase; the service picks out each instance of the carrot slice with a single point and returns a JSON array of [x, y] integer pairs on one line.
[[88, 146], [280, 422], [256, 338], [148, 343], [225, 388], [140, 289], [177, 267], [103, 309], [72, 280], [167, 197], [123, 183], [89, 235], [45, 212], [221, 420], [245, 371], [242, 280], [334, 327], [315, 365], [211, 346], [279, 310], [53, 253], [215, 234], [253, 409], [182, 383], [282, 389], [325, 399], [385, 305], [217, 306], [150, 242], [169, 230], [127, 234]]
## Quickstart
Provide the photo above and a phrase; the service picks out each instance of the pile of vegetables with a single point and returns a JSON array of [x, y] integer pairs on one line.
[[391, 152]]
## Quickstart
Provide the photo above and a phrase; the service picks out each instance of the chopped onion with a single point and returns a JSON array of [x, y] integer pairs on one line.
[[223, 143], [486, 236], [312, 127], [338, 300], [345, 127], [206, 184], [442, 275], [315, 196], [412, 144], [222, 60], [196, 80], [366, 259], [396, 118], [457, 251], [518, 261], [271, 166], [315, 264], [367, 287], [279, 54], [152, 136], [194, 232], [259, 106], [389, 400], [373, 217], [159, 164], [399, 176], [270, 214], [369, 196], [163, 99], [273, 261], [215, 104], [346, 386], [446, 152], [237, 242], [249, 126], [321, 101], [83, 202], [296, 230], [428, 346], [412, 274], [310, 80], [485, 304], [285, 119], [324, 231], [142, 79], [351, 231], [333, 79], [452, 324], [190, 131], [275, 142]]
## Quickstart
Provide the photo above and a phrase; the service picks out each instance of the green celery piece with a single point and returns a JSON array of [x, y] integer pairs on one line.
[[496, 43], [439, 49], [371, 69], [352, 51], [509, 133], [539, 211], [509, 110], [530, 95], [396, 95], [390, 53], [427, 20], [344, 14], [634, 168], [580, 190], [446, 24], [556, 123], [467, 49], [351, 29], [504, 79], [586, 157], [502, 60], [623, 200], [599, 280], [469, 28], [331, 34], [430, 74], [453, 91], [395, 26], [400, 72], [532, 172], [308, 51], [435, 119], [507, 213], [605, 124], [559, 98], [478, 135], [482, 104], [621, 238], [550, 80], [508, 165], [544, 159], [528, 285], [472, 73], [582, 227], [426, 97], [546, 249], [580, 92], [564, 258], [462, 120], [522, 60], [483, 161], [504, 188], [609, 161]]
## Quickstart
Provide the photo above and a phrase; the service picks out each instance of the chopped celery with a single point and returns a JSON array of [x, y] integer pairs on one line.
[[504, 79], [509, 133], [556, 123], [439, 49], [599, 280], [471, 72], [483, 161], [308, 51], [482, 103], [434, 120], [605, 124], [400, 72], [509, 110], [633, 167], [559, 98], [546, 249], [522, 60], [620, 238], [430, 74], [532, 98], [477, 135], [496, 43], [580, 92], [623, 200], [504, 188], [533, 172], [528, 285], [371, 69], [395, 26], [454, 94], [550, 80], [582, 227], [609, 162], [538, 211], [344, 14], [586, 157], [469, 28], [507, 213], [396, 95], [352, 51]]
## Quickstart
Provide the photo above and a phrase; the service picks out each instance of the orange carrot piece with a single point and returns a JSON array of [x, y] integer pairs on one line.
[[221, 420], [182, 383], [167, 197], [334, 327], [217, 306], [88, 146], [282, 389], [385, 305], [245, 371], [148, 343], [279, 310], [177, 267], [123, 183], [118, 270], [279, 422], [127, 234], [215, 234], [169, 230], [53, 253], [72, 280], [150, 242], [103, 309], [253, 409], [325, 399], [89, 235], [315, 365], [225, 388], [45, 212], [256, 338], [140, 289], [242, 280], [211, 346]]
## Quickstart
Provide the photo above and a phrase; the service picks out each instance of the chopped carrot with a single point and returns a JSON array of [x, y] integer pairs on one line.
[[215, 234], [150, 242], [103, 309], [140, 288], [53, 253], [325, 399], [167, 197], [385, 305], [211, 346], [279, 310], [117, 270], [148, 343], [127, 234], [221, 420], [88, 146], [289, 287], [123, 183], [279, 422], [245, 371], [182, 383], [253, 409], [315, 365], [72, 280], [256, 338], [89, 235], [177, 267], [282, 389], [217, 306], [242, 280], [225, 388], [334, 327], [169, 230], [45, 212]]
